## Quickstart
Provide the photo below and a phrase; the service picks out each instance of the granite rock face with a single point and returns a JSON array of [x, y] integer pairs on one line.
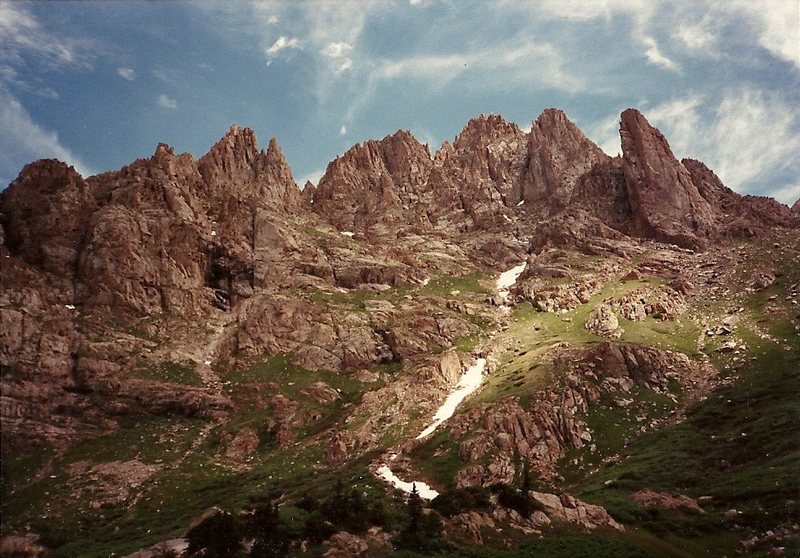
[[45, 215], [665, 203], [375, 185], [559, 154]]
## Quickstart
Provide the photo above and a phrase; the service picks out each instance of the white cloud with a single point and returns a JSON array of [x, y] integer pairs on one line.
[[581, 10], [777, 23], [654, 55], [272, 20], [681, 118], [415, 2], [281, 44], [25, 44], [22, 140], [23, 36], [750, 138], [343, 130], [502, 65], [127, 73], [697, 37], [9, 77], [337, 54], [513, 63], [605, 134], [166, 102]]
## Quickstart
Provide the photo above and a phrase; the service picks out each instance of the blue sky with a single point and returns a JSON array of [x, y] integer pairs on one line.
[[100, 84]]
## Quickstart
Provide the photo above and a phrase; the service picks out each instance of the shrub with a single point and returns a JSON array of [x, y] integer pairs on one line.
[[458, 500], [219, 534]]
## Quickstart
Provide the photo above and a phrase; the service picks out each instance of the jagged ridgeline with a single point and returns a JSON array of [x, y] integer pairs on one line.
[[514, 346]]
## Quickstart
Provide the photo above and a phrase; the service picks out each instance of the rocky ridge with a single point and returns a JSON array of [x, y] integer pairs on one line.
[[155, 290]]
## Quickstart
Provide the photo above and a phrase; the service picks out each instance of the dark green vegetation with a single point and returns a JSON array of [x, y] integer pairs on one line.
[[740, 447]]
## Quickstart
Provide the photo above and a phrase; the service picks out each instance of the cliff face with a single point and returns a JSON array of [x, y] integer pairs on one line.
[[45, 213], [665, 203], [558, 155], [375, 185]]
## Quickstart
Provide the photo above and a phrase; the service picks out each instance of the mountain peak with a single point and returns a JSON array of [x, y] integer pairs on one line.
[[484, 128], [559, 154], [665, 202], [235, 165]]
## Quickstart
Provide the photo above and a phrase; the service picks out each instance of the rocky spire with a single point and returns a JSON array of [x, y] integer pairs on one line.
[[485, 167], [234, 168], [558, 154], [664, 201]]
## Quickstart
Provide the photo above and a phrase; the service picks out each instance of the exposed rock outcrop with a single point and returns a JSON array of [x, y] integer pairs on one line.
[[663, 302], [736, 215], [664, 201], [662, 501], [568, 509], [45, 213], [375, 185], [558, 155], [603, 322], [550, 424], [317, 338]]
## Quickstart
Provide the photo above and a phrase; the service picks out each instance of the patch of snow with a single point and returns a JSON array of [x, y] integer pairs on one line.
[[69, 307], [520, 203], [349, 233], [468, 383], [423, 489], [508, 278], [426, 281], [207, 362], [213, 233], [507, 218]]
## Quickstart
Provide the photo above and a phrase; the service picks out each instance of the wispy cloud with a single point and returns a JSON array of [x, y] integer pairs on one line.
[[727, 133], [22, 37], [281, 44], [605, 133], [166, 102], [697, 37], [512, 61], [343, 130], [655, 56], [22, 140], [127, 73], [26, 44], [337, 55], [10, 78], [777, 24]]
